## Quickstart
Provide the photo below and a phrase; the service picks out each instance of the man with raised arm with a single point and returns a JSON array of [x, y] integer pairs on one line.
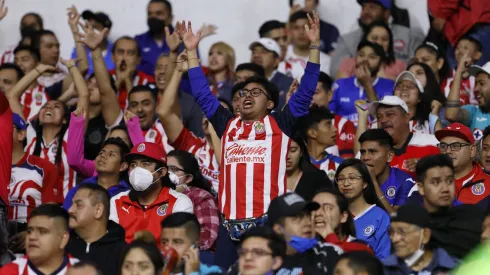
[[255, 144]]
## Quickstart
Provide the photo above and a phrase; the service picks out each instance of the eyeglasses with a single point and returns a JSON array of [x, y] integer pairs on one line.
[[350, 178], [256, 252], [255, 92], [401, 231], [174, 169], [456, 146]]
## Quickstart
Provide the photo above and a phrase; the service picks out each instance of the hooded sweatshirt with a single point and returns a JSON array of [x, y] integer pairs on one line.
[[104, 253]]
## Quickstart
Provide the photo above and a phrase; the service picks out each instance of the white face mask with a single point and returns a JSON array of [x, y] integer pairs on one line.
[[410, 261], [174, 178], [141, 178]]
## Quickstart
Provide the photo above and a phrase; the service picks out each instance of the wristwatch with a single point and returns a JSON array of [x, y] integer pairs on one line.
[[316, 47]]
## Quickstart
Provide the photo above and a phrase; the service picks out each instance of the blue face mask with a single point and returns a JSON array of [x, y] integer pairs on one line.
[[301, 244]]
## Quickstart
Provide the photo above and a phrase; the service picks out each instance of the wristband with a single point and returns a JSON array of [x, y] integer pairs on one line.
[[453, 104], [316, 47], [37, 70]]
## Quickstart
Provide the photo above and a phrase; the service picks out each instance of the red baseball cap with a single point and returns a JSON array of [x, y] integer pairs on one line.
[[149, 150], [456, 130]]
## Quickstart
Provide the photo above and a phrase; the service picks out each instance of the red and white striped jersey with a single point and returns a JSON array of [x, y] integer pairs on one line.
[[33, 100], [8, 56], [68, 176], [329, 165], [156, 134], [346, 133], [253, 167], [22, 266], [204, 154], [140, 79], [467, 89], [33, 181]]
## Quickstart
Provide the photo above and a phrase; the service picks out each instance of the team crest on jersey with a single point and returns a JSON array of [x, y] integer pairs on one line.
[[390, 192], [368, 231], [12, 179], [331, 174], [478, 189], [54, 148], [38, 97], [259, 127], [152, 134], [141, 147], [477, 134], [162, 210]]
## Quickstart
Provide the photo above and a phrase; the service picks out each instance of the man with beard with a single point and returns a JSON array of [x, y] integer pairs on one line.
[[475, 117], [365, 84], [405, 40]]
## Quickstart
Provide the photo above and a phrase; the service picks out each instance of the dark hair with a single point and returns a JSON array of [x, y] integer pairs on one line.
[[165, 2], [126, 37], [52, 211], [304, 160], [432, 91], [390, 54], [143, 88], [431, 161], [123, 147], [184, 220], [363, 261], [486, 133], [227, 103], [301, 14], [369, 192], [165, 181], [122, 128], [58, 159], [433, 49], [270, 88], [12, 66], [83, 264], [38, 17], [33, 52], [111, 80], [378, 135], [98, 194], [269, 26], [257, 69], [348, 228], [36, 39], [476, 42], [314, 116], [326, 81], [190, 166], [275, 242], [378, 50], [150, 250]]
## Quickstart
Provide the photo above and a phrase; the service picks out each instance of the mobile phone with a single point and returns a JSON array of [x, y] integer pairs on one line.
[[364, 106], [300, 3]]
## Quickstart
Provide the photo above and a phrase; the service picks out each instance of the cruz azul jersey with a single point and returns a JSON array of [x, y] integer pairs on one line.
[[372, 227], [329, 164], [68, 176], [156, 134], [33, 181], [397, 187], [478, 120], [22, 266], [204, 154], [254, 167], [140, 78]]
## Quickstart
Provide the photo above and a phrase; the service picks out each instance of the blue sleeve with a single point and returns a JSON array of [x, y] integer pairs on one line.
[[301, 100], [471, 109], [383, 246], [69, 197], [201, 92], [332, 105], [405, 188], [285, 120], [74, 53]]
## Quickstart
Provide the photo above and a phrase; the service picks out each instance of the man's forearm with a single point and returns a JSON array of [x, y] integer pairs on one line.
[[201, 92], [301, 100], [370, 93]]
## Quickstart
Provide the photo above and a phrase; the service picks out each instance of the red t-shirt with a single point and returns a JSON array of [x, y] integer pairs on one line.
[[6, 145], [473, 187]]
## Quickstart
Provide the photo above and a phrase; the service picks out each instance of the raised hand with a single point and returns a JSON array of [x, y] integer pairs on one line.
[[69, 62], [190, 40], [191, 260], [464, 62], [42, 68], [89, 37], [363, 75], [128, 115], [182, 65], [208, 29], [313, 28], [73, 18], [173, 40], [3, 10], [80, 112], [292, 89]]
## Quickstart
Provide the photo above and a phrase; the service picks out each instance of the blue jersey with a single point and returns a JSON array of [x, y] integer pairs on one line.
[[477, 121], [397, 187], [347, 90], [372, 227]]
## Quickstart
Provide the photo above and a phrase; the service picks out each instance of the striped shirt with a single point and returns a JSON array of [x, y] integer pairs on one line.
[[467, 89], [156, 134], [22, 266], [140, 78], [329, 164]]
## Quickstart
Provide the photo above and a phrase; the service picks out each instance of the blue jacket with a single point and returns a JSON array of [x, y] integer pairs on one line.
[[113, 190], [441, 262], [107, 58]]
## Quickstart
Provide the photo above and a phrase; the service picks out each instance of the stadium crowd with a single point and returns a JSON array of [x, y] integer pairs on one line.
[[363, 153]]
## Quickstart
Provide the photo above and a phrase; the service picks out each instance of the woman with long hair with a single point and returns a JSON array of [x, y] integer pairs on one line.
[[370, 219], [221, 69], [334, 222], [380, 33], [184, 172], [141, 258], [430, 54], [303, 177]]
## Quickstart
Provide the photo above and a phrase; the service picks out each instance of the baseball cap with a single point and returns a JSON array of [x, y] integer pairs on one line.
[[474, 70], [267, 43], [288, 205], [389, 100], [385, 3], [412, 213], [149, 150], [19, 123], [407, 75], [456, 130], [98, 16]]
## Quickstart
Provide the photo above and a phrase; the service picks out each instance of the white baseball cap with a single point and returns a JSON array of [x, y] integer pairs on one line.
[[407, 75], [474, 70], [267, 43], [389, 100]]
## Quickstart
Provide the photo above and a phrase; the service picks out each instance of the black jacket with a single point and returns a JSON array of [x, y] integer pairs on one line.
[[104, 253], [321, 259], [311, 181]]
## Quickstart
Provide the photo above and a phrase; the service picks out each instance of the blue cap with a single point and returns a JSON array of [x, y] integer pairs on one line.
[[19, 123], [385, 3]]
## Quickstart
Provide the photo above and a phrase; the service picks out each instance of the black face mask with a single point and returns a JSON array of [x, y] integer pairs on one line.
[[156, 25], [27, 30]]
